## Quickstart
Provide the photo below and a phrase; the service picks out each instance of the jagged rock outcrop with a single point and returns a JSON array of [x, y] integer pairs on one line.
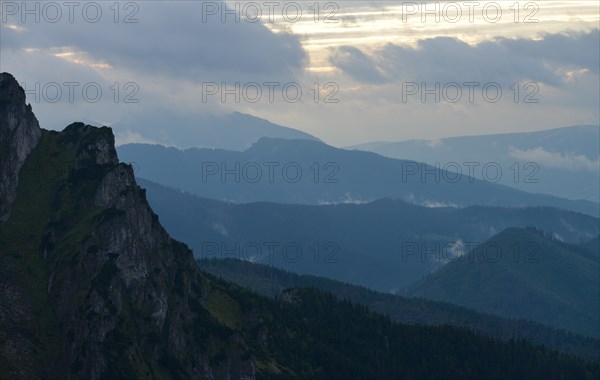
[[19, 134], [107, 293]]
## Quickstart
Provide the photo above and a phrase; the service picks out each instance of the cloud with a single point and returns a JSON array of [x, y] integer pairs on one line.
[[411, 198], [435, 143], [168, 40], [128, 137], [444, 59], [167, 55], [453, 251], [436, 204], [348, 198], [220, 228], [456, 249], [555, 160], [571, 50], [357, 64]]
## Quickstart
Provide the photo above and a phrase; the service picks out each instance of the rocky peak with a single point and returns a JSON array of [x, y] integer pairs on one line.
[[97, 144], [19, 134], [108, 271]]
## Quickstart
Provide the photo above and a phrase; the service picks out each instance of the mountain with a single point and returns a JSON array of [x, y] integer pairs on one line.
[[383, 245], [273, 282], [591, 249], [559, 287], [235, 131], [311, 172], [91, 286], [566, 161]]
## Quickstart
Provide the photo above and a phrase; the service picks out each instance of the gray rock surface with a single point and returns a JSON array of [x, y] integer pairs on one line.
[[19, 134]]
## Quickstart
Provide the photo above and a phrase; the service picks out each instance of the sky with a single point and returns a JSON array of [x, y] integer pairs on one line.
[[347, 72]]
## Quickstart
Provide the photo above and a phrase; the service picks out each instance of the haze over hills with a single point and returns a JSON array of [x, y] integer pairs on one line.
[[383, 245], [273, 282], [537, 279], [92, 286], [563, 162], [235, 131], [310, 172]]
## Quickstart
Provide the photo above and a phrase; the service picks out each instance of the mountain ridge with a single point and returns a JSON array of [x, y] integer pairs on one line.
[[563, 162], [535, 278], [310, 172], [349, 242], [235, 131]]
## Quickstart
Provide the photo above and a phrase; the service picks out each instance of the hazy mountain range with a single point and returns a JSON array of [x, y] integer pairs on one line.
[[563, 162], [311, 172], [235, 131], [385, 245]]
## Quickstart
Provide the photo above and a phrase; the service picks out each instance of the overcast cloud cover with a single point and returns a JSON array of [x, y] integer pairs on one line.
[[445, 59], [170, 52]]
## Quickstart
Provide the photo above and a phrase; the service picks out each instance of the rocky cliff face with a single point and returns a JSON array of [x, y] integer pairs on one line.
[[19, 134], [91, 285]]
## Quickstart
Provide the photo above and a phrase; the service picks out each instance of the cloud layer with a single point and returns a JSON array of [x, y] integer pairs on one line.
[[502, 60], [167, 40], [556, 160]]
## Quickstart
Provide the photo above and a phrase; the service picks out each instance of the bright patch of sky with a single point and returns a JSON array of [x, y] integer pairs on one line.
[[368, 25]]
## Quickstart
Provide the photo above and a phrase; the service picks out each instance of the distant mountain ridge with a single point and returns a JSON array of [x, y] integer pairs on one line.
[[310, 172], [567, 138], [566, 161], [384, 245], [235, 131]]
